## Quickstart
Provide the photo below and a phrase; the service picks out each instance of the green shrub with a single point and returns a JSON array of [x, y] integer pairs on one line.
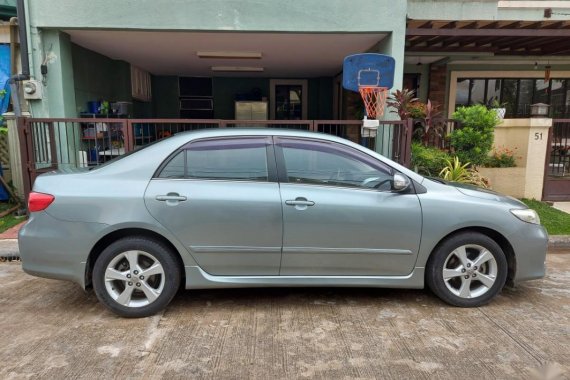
[[428, 161], [473, 141]]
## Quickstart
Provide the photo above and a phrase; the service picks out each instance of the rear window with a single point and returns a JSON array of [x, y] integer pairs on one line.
[[222, 159]]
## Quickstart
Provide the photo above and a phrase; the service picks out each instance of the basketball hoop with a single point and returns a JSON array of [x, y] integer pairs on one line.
[[374, 98], [372, 75]]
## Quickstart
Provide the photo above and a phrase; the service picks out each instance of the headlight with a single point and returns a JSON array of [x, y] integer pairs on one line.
[[526, 215]]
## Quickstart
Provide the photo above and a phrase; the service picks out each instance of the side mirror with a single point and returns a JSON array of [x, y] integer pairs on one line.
[[401, 183]]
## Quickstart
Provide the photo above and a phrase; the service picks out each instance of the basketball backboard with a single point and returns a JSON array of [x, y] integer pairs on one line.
[[368, 69]]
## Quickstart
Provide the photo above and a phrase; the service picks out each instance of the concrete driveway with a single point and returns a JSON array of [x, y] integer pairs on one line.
[[52, 329]]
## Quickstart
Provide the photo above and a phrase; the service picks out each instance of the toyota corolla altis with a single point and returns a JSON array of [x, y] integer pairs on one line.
[[266, 208]]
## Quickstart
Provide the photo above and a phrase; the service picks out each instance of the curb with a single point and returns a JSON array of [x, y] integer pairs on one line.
[[9, 250], [559, 242]]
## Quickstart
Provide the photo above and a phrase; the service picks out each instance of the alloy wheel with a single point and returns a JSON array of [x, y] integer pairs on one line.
[[470, 271], [134, 278]]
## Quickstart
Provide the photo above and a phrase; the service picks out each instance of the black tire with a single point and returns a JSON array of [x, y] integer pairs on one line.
[[150, 249], [436, 262]]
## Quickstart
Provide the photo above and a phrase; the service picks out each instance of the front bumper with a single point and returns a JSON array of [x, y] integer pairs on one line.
[[530, 244], [57, 249]]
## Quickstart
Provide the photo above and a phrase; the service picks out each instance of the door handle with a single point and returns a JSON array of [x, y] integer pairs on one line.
[[299, 202], [171, 197]]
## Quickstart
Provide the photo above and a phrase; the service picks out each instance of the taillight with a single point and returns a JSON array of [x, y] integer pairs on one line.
[[39, 201]]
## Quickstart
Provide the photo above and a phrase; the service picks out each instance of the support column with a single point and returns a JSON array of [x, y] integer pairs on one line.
[[53, 48], [18, 169], [437, 85], [393, 45]]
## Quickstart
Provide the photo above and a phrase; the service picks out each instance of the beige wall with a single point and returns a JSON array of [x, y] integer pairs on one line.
[[530, 138]]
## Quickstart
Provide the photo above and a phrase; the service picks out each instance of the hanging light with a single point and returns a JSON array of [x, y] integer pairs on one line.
[[547, 73]]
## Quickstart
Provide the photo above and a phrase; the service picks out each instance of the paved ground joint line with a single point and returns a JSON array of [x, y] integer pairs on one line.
[[539, 360]]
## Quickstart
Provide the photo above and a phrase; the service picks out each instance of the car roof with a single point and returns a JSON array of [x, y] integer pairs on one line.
[[222, 132]]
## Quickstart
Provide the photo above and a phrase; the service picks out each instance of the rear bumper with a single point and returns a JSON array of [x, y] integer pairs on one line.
[[530, 244], [57, 249]]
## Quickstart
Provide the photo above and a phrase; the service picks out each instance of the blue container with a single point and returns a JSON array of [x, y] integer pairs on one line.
[[3, 192], [93, 106], [93, 154]]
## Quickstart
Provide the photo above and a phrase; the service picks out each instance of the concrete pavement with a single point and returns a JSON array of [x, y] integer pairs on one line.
[[52, 329], [562, 206]]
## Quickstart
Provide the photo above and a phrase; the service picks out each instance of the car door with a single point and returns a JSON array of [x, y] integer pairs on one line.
[[340, 216], [220, 198]]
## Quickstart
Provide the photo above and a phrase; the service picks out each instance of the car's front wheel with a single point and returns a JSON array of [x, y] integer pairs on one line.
[[136, 277], [467, 270]]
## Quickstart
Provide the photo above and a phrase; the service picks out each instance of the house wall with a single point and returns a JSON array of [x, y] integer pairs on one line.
[[97, 77], [246, 15], [423, 70], [320, 98], [484, 10], [165, 95], [50, 17]]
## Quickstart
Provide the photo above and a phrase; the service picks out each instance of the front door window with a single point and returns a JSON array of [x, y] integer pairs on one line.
[[288, 99], [288, 102]]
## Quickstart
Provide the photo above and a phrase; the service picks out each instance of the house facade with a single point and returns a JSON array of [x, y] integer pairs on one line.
[[272, 60], [454, 52], [220, 51]]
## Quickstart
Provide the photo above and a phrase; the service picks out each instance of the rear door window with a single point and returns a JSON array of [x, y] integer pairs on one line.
[[221, 159]]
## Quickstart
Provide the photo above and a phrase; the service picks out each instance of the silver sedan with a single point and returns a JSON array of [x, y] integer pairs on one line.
[[265, 208]]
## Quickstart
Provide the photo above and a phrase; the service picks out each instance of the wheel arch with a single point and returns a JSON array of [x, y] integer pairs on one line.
[[499, 238], [116, 235]]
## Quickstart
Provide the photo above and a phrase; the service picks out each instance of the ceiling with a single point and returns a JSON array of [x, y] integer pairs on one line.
[[174, 53], [540, 38]]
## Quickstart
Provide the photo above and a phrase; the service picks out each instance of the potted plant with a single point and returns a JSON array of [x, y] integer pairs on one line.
[[498, 107]]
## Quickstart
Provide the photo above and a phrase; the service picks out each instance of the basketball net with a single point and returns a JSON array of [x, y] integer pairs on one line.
[[374, 98]]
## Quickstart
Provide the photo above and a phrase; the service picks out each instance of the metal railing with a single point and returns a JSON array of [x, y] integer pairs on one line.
[[559, 149], [49, 143], [438, 132]]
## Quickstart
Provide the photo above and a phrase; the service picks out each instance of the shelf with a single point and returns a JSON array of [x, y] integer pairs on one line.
[[112, 152]]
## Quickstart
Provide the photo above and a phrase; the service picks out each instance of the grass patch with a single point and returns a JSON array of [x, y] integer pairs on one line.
[[555, 221], [5, 206], [9, 220]]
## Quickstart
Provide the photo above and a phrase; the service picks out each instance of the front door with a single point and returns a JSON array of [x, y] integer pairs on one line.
[[220, 198], [339, 215]]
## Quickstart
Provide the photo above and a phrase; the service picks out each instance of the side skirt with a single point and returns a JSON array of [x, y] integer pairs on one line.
[[196, 278]]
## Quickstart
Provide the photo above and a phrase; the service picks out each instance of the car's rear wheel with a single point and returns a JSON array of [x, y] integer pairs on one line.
[[136, 277], [467, 270]]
